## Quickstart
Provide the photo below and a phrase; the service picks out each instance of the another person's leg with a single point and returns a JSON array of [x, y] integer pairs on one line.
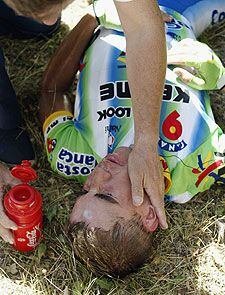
[[14, 142]]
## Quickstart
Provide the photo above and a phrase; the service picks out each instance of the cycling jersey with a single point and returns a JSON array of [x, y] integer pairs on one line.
[[191, 145]]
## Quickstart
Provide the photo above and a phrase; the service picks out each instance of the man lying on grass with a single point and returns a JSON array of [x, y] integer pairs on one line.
[[93, 143], [142, 22]]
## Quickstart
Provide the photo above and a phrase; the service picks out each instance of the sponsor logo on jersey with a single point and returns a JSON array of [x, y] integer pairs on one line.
[[173, 93], [112, 128], [177, 25], [122, 58], [208, 169], [217, 16], [120, 112], [57, 121], [118, 89], [172, 130], [171, 147], [174, 36], [71, 163], [111, 140], [51, 144]]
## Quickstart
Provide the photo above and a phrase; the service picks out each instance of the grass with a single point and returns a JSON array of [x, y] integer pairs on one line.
[[189, 257]]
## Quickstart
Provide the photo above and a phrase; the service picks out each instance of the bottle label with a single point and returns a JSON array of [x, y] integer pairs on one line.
[[33, 236], [26, 239]]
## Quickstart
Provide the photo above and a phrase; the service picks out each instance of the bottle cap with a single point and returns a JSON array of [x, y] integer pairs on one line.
[[24, 172]]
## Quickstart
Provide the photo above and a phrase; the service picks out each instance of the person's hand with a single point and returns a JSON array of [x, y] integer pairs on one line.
[[199, 67], [6, 225], [146, 175], [166, 17]]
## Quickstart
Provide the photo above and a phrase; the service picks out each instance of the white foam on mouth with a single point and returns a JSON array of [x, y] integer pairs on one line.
[[87, 214]]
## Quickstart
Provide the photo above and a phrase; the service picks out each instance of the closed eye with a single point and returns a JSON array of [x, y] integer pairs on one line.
[[108, 198]]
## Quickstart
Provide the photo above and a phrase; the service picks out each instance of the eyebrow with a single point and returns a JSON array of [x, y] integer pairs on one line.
[[107, 198]]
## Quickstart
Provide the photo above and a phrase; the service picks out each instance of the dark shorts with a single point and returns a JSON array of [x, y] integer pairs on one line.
[[15, 144], [20, 26]]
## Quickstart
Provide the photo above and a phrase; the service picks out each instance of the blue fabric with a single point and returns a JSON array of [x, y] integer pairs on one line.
[[9, 107], [15, 145], [20, 26], [178, 5]]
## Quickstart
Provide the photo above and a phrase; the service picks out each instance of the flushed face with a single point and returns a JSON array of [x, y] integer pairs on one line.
[[108, 196]]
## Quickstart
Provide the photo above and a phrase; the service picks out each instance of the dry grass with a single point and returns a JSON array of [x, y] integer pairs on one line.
[[189, 256]]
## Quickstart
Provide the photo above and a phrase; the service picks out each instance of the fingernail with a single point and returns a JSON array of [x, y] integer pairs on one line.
[[137, 200], [10, 241], [165, 226]]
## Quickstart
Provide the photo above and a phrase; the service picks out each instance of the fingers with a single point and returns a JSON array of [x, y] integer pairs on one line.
[[197, 83], [93, 181], [183, 75], [189, 52], [88, 182], [157, 200], [136, 189], [8, 179], [179, 58], [6, 235], [5, 225], [6, 222], [188, 78], [166, 17], [155, 189]]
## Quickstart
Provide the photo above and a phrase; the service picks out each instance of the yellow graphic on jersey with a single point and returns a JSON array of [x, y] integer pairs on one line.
[[122, 57]]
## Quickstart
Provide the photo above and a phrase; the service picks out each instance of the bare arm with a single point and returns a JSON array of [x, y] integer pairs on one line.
[[62, 68], [146, 64]]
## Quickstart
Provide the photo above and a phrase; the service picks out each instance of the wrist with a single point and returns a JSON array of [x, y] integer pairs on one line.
[[146, 139]]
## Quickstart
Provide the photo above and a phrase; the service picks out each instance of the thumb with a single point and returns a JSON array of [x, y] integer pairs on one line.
[[6, 222]]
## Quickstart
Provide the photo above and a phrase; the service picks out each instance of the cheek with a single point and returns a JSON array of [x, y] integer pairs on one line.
[[125, 179]]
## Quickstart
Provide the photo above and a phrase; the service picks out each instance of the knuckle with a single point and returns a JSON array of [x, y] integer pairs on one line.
[[3, 231], [5, 222]]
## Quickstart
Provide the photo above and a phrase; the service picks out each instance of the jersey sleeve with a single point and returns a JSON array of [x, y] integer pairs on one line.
[[68, 152], [107, 15]]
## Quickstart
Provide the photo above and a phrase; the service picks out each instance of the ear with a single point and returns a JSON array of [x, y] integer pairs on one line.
[[150, 220]]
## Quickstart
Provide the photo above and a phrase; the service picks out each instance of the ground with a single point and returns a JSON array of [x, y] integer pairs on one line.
[[189, 257]]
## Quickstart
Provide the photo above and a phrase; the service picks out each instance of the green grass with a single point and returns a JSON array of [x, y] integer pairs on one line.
[[189, 257]]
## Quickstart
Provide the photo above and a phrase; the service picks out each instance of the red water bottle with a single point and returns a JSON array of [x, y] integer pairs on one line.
[[23, 205]]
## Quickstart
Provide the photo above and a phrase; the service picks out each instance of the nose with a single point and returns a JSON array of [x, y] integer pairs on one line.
[[96, 179]]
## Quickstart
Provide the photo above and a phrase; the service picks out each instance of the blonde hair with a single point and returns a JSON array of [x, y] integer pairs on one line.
[[116, 252]]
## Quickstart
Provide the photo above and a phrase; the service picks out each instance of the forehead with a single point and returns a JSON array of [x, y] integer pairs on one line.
[[98, 212]]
